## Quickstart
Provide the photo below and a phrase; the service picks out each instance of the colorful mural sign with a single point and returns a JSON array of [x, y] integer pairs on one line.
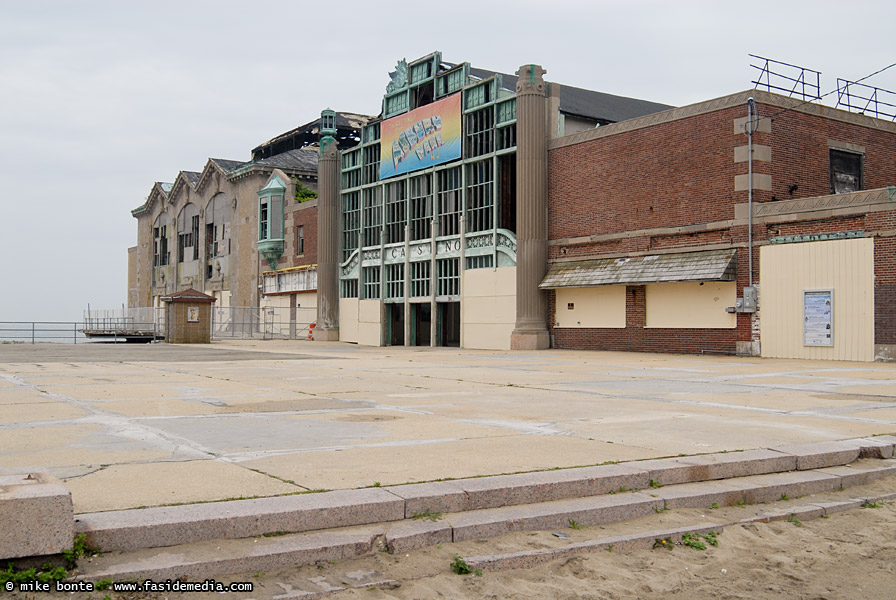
[[426, 136]]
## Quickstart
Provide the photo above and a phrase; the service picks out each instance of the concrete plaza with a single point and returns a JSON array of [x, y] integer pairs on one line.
[[143, 425]]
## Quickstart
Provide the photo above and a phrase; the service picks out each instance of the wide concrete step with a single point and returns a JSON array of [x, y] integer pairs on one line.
[[210, 558], [174, 525]]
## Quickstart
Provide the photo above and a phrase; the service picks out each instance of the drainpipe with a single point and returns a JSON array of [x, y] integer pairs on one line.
[[751, 113]]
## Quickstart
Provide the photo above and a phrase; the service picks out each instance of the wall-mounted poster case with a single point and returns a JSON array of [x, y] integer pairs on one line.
[[818, 317]]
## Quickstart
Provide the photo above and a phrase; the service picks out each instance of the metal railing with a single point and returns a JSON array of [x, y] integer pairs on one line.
[[237, 322], [20, 332], [866, 99], [792, 80]]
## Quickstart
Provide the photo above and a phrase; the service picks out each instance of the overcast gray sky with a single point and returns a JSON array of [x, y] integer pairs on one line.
[[100, 99]]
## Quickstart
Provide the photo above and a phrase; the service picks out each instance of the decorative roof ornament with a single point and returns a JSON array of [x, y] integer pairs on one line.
[[399, 77]]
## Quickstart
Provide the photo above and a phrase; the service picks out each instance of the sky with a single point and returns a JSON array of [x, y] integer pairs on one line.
[[98, 100]]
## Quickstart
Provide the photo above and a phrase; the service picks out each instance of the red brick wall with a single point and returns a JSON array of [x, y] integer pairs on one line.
[[801, 155], [666, 175], [304, 216]]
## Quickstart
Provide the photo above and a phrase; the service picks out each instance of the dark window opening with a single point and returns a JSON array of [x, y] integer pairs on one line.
[[449, 201], [846, 172], [421, 207], [507, 201], [422, 95], [263, 222], [195, 234], [300, 240], [396, 212], [160, 246]]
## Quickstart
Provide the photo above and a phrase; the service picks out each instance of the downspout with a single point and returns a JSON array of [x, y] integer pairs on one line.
[[751, 111]]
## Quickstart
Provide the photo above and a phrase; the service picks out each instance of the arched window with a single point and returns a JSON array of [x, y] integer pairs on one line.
[[160, 254], [188, 234]]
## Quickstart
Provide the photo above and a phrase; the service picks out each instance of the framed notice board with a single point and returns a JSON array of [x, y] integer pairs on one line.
[[818, 317]]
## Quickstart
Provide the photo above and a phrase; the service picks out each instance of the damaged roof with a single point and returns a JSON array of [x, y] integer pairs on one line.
[[348, 134], [587, 103], [292, 159], [710, 265]]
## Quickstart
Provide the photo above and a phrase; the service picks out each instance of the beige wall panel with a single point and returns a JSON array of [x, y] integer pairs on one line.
[[483, 336], [490, 282], [369, 322], [601, 306], [369, 334], [846, 267], [488, 308], [691, 305], [306, 299], [275, 302], [348, 320]]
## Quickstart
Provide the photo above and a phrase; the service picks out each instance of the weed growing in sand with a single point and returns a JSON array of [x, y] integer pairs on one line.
[[103, 584], [663, 543], [711, 538], [377, 484], [692, 541], [610, 547], [655, 484], [714, 506], [872, 504], [573, 525], [79, 550], [741, 503], [785, 498], [795, 521], [460, 566], [659, 510]]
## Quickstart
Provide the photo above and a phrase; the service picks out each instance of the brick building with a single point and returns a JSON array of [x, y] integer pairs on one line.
[[672, 189]]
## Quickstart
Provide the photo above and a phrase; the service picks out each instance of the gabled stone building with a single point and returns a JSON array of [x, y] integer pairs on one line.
[[242, 232]]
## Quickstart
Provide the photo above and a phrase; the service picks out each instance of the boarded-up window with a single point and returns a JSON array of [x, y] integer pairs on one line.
[[846, 172]]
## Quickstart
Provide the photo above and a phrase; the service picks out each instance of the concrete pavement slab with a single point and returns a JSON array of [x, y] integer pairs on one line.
[[395, 463], [173, 482]]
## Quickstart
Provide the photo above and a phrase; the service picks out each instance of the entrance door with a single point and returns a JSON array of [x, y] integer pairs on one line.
[[449, 324], [421, 322], [395, 321]]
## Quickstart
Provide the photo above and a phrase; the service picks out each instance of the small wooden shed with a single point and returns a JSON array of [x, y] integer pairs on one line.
[[188, 317]]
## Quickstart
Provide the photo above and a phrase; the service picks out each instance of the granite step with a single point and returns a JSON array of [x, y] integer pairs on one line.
[[208, 558], [174, 525]]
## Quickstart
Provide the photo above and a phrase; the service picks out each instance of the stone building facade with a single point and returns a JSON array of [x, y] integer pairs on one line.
[[202, 231], [244, 232]]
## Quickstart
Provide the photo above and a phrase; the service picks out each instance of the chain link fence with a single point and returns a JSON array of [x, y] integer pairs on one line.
[[261, 322]]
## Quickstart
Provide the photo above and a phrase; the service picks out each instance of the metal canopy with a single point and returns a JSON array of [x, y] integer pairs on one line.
[[713, 265]]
